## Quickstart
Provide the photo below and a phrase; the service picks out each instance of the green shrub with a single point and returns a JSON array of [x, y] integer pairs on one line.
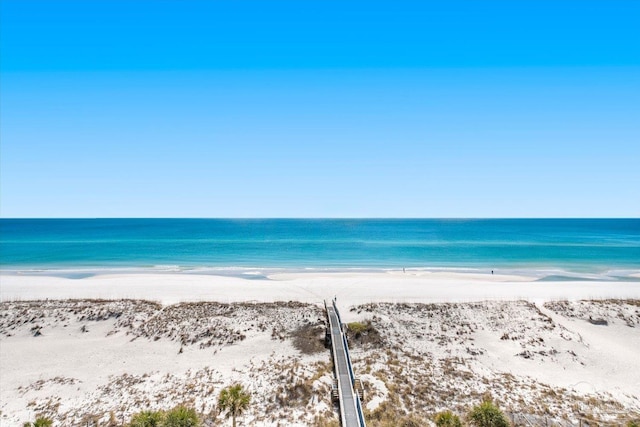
[[357, 327], [181, 416], [364, 334], [487, 415], [147, 419], [39, 422], [447, 419]]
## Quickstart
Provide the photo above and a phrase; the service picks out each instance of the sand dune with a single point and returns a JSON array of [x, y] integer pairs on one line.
[[435, 341]]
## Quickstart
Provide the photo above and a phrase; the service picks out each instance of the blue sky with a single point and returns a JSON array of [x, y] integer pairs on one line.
[[319, 109]]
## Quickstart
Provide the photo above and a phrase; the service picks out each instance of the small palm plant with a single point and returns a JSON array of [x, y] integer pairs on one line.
[[487, 414], [233, 400], [181, 416], [147, 419], [447, 419], [39, 422]]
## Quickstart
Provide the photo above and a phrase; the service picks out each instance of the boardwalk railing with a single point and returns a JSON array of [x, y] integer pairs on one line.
[[353, 378], [351, 414]]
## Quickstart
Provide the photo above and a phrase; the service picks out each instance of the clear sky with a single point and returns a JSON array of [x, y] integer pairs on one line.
[[319, 108]]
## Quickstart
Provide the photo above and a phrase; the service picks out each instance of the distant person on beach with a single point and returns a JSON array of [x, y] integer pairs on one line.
[[491, 271]]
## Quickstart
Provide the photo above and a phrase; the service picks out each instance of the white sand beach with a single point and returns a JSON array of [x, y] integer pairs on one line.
[[314, 288], [73, 350]]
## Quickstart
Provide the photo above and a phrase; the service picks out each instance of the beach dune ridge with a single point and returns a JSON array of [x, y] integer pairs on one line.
[[118, 344]]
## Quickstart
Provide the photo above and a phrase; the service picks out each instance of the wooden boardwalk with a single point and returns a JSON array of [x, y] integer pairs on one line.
[[350, 406]]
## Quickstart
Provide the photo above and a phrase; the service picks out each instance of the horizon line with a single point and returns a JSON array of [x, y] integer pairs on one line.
[[323, 218]]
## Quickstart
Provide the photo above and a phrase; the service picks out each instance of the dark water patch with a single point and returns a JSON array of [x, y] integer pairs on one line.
[[237, 274], [626, 278], [558, 278], [563, 278], [74, 276]]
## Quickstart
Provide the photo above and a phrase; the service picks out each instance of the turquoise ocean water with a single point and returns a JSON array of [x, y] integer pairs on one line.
[[551, 249]]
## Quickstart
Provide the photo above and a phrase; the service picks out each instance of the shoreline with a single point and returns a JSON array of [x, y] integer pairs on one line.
[[534, 271]]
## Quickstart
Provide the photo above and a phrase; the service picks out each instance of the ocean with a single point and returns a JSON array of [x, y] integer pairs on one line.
[[550, 249]]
